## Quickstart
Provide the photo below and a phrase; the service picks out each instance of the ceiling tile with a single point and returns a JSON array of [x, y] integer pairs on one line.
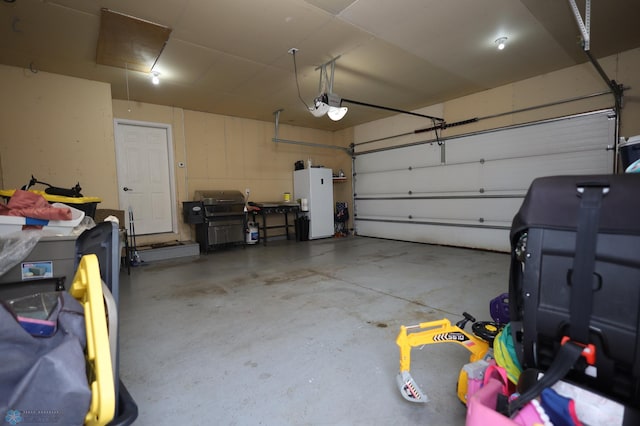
[[186, 63], [262, 31], [230, 57], [333, 7]]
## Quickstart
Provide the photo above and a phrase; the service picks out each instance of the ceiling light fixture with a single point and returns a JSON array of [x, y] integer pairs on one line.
[[155, 79], [501, 43], [336, 110]]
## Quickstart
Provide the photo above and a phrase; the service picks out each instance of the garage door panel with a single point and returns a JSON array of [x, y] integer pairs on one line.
[[514, 174], [518, 173], [481, 183], [565, 135], [383, 183], [428, 180], [488, 239], [488, 209], [416, 156]]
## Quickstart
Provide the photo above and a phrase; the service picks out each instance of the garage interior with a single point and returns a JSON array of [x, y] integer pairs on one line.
[[443, 134], [300, 334]]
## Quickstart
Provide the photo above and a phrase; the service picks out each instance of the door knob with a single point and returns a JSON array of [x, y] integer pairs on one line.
[[127, 189]]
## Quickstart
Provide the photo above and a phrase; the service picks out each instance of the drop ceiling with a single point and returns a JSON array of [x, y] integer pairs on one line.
[[231, 56]]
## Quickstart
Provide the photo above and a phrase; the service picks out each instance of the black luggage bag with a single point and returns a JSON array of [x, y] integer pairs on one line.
[[575, 276]]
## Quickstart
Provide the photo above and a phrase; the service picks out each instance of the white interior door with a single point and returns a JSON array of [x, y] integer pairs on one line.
[[144, 158]]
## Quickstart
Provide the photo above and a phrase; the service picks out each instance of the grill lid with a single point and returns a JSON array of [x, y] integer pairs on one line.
[[212, 197]]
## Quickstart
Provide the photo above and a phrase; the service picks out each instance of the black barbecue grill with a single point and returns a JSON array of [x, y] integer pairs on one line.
[[218, 215]]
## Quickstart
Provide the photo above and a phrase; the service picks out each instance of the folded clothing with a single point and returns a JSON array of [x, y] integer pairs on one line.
[[29, 204]]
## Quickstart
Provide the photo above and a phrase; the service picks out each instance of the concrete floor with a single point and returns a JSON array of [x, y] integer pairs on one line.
[[299, 333]]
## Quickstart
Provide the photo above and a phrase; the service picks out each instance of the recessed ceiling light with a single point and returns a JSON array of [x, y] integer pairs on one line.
[[501, 42]]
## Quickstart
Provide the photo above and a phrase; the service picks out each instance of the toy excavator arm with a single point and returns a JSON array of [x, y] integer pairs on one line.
[[439, 331]]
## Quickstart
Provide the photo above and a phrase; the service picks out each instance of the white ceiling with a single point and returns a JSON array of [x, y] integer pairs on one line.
[[230, 56]]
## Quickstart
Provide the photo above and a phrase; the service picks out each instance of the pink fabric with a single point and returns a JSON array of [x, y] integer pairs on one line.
[[473, 386], [494, 371], [528, 416], [481, 407], [30, 204]]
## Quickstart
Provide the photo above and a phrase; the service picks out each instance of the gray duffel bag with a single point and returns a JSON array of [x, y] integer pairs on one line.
[[43, 376]]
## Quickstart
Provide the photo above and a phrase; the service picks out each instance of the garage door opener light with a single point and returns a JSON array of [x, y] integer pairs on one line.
[[328, 102], [155, 78]]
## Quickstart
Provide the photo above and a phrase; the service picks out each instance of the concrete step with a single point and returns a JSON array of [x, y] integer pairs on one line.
[[171, 250]]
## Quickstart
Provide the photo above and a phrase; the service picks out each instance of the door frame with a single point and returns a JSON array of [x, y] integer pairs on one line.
[[170, 158]]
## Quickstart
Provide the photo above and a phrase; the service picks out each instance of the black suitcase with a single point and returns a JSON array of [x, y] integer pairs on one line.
[[575, 275]]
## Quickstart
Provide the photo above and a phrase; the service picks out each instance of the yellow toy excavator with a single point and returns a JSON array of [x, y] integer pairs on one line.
[[442, 331]]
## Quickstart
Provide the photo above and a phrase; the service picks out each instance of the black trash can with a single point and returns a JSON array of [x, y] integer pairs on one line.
[[302, 228]]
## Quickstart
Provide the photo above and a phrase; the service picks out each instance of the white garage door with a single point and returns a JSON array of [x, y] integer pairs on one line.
[[466, 190]]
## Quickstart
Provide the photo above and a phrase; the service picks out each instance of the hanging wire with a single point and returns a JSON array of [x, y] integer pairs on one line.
[[295, 70], [126, 67]]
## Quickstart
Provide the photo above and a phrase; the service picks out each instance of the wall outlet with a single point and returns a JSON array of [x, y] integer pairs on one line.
[[247, 191]]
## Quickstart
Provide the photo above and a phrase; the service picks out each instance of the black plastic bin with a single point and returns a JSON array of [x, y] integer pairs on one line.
[[302, 228], [629, 152], [126, 409], [103, 241]]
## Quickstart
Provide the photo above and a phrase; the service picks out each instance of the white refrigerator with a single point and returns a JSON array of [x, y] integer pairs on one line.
[[316, 185]]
